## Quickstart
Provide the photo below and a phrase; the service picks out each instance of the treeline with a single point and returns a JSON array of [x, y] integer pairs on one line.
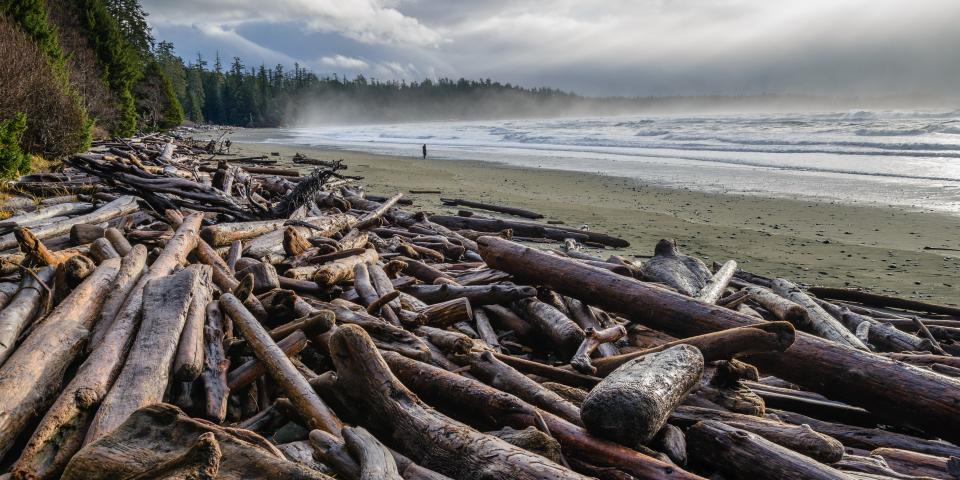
[[74, 69], [261, 96]]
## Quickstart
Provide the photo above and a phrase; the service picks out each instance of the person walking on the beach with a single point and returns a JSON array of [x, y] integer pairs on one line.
[[424, 150]]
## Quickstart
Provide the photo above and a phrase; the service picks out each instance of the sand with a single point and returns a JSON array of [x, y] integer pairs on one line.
[[877, 248]]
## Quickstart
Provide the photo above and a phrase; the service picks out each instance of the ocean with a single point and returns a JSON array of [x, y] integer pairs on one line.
[[908, 159]]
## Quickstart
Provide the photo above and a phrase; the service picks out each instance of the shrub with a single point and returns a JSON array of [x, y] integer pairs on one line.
[[13, 161]]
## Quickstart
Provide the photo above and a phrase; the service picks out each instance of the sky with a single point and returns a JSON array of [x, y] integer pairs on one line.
[[613, 47]]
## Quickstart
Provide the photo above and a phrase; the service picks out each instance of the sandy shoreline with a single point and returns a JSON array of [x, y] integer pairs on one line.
[[881, 249]]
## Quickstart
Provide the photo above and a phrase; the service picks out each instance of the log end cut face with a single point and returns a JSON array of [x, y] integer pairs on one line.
[[632, 403]]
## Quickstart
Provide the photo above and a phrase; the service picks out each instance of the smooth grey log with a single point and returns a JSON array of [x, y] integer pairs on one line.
[[562, 332], [780, 307], [741, 454], [7, 291], [222, 234], [817, 319], [23, 307], [101, 249], [884, 336], [215, 365], [121, 206], [714, 288], [671, 441], [689, 275], [188, 361], [32, 218], [132, 268], [634, 401], [118, 241], [269, 246], [144, 378]]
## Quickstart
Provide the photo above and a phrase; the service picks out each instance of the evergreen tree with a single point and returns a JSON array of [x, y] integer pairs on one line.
[[13, 161], [132, 21], [32, 17]]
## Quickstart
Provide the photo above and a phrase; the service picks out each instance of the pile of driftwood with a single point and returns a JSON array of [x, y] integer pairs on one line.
[[173, 314]]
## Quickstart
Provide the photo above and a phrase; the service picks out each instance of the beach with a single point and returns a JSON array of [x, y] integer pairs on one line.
[[881, 249]]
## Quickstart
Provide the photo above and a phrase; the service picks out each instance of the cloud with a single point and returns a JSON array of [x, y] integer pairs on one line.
[[610, 47], [340, 61]]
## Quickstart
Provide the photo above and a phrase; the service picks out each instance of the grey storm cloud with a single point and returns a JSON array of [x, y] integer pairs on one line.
[[619, 47]]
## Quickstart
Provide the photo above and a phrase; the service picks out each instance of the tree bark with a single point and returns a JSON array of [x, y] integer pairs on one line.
[[121, 206], [562, 333], [817, 319], [23, 307], [215, 365], [477, 294], [188, 362]]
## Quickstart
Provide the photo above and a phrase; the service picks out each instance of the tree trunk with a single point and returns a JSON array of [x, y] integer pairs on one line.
[[713, 290], [634, 401], [817, 319], [854, 376], [188, 362], [269, 246], [121, 206], [23, 307], [215, 365], [477, 294], [562, 333]]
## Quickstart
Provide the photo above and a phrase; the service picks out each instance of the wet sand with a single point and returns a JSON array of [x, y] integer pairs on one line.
[[877, 248]]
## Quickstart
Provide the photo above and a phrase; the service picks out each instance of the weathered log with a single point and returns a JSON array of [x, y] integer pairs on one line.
[[58, 210], [131, 451], [722, 345], [116, 208], [101, 249], [34, 377], [531, 440], [294, 244], [341, 270], [423, 272], [446, 313], [7, 291], [316, 413], [248, 372], [477, 294], [634, 401], [562, 333], [459, 395], [143, 380], [855, 376], [714, 288], [188, 361], [486, 332], [222, 234], [265, 277], [870, 468], [499, 375], [593, 339], [83, 233], [817, 319], [876, 300], [269, 246], [915, 464], [493, 208], [436, 442], [689, 275], [131, 268], [799, 438], [780, 307], [37, 252], [583, 315], [524, 229], [883, 335], [333, 451], [23, 307], [215, 365], [104, 364], [374, 458], [507, 320], [742, 454], [118, 241]]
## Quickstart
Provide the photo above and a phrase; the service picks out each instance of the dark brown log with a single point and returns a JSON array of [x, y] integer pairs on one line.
[[132, 450], [714, 288], [486, 331], [188, 361], [436, 442], [855, 376], [524, 229], [562, 333], [366, 293], [223, 276], [634, 401], [477, 294], [82, 234], [688, 275], [118, 241], [799, 438], [458, 394], [446, 313], [501, 376], [447, 341], [294, 244], [817, 319], [673, 443], [564, 376], [215, 365], [507, 320], [38, 253], [248, 372], [593, 339], [143, 380], [870, 468], [422, 271], [869, 438], [876, 300], [493, 208], [531, 440], [333, 451], [316, 413], [23, 307], [313, 323], [722, 345], [915, 464], [742, 454]]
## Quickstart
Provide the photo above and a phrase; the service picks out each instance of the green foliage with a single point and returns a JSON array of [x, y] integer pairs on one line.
[[132, 20], [32, 17], [13, 161], [119, 60]]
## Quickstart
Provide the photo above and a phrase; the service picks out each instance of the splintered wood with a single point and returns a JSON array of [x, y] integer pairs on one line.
[[175, 316]]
